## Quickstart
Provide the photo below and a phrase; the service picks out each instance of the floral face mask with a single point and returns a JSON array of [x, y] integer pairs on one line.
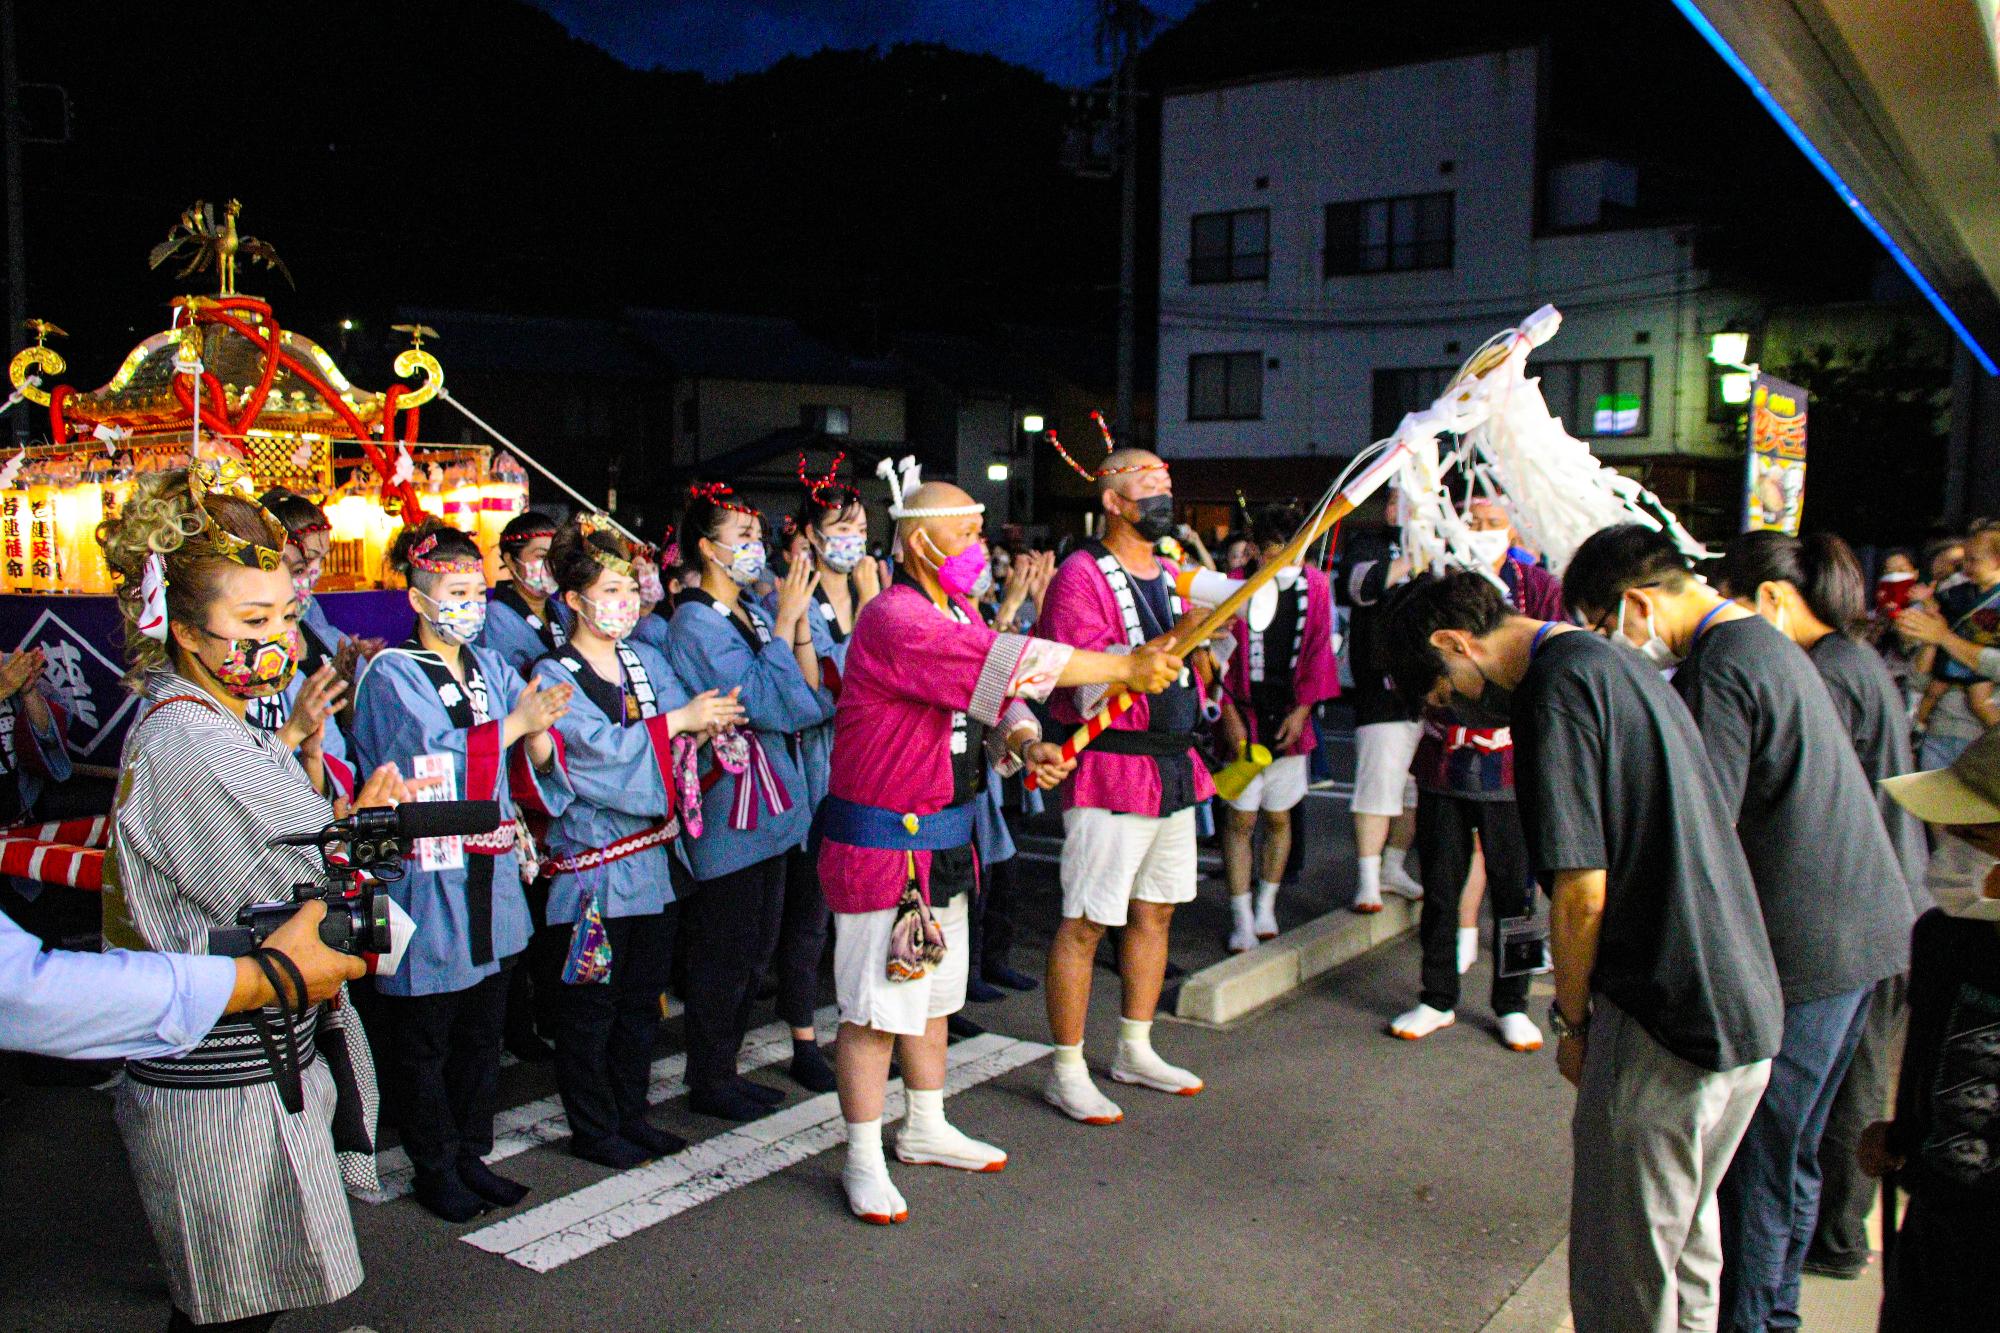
[[256, 668]]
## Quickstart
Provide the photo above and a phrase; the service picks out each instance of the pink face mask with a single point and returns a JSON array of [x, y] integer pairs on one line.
[[959, 574]]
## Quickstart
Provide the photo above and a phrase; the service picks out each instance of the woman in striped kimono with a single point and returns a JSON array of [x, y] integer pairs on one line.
[[614, 851], [232, 1145]]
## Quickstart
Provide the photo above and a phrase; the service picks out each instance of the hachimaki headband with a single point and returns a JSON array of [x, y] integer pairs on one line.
[[420, 558]]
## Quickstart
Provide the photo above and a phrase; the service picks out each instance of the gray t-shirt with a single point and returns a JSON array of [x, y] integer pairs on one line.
[[1836, 908], [1864, 694], [1610, 775]]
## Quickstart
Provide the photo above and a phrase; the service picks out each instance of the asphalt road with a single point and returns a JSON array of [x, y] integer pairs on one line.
[[1330, 1177]]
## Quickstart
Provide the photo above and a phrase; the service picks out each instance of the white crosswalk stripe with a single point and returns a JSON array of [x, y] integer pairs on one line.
[[546, 1237], [542, 1121]]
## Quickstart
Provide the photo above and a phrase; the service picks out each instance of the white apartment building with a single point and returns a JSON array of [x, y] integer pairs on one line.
[[1332, 247]]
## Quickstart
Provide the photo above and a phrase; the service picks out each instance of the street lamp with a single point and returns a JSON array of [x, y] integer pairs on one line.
[[1032, 423], [1737, 386], [1728, 348], [347, 326], [996, 472]]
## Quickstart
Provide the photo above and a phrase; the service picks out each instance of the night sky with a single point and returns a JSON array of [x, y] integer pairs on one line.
[[726, 37]]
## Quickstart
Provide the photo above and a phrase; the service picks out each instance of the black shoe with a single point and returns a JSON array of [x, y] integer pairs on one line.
[[1002, 975], [447, 1196], [489, 1184], [1838, 1270], [652, 1138], [958, 1025], [727, 1103], [981, 991], [758, 1092], [810, 1069], [617, 1152], [530, 1049]]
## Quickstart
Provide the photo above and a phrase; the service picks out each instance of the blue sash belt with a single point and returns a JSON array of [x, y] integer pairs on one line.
[[860, 825]]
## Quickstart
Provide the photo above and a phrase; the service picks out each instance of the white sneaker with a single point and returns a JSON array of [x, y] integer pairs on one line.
[[1367, 902], [1519, 1033], [1420, 1022], [1142, 1065], [871, 1195], [945, 1145], [1468, 948], [1242, 938], [1077, 1097], [1397, 881]]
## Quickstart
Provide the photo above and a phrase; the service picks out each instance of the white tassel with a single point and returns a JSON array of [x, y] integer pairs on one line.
[[886, 470], [153, 599], [12, 468], [406, 466]]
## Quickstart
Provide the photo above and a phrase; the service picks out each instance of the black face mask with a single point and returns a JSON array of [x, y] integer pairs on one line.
[[1493, 709], [1156, 517]]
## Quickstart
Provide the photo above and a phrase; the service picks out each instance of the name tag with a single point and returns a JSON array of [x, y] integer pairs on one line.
[[439, 854]]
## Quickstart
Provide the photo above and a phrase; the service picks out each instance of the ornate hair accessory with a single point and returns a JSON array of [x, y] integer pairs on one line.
[[153, 599], [1103, 430], [227, 476], [521, 539], [904, 478], [719, 494], [829, 491], [589, 525], [420, 559]]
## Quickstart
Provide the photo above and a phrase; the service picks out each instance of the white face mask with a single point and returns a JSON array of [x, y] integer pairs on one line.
[[1654, 649], [1489, 547], [1957, 880]]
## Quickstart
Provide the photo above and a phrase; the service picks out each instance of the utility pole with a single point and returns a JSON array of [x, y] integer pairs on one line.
[[1121, 26], [17, 247]]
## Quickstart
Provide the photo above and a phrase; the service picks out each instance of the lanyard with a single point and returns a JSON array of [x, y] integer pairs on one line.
[[1701, 626], [1540, 634]]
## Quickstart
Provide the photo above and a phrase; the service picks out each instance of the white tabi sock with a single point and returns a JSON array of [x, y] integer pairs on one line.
[[1371, 876], [1071, 1091], [1266, 920], [929, 1139], [1139, 1063], [871, 1195], [1243, 934]]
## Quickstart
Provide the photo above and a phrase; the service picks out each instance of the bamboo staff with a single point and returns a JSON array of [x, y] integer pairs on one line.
[[1452, 403]]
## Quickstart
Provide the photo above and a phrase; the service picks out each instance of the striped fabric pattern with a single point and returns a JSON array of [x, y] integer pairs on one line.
[[245, 1201]]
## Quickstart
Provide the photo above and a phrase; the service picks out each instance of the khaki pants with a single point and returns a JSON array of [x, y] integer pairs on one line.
[[1652, 1136]]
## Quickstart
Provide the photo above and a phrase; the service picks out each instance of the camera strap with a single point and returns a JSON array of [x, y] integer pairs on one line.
[[285, 1063]]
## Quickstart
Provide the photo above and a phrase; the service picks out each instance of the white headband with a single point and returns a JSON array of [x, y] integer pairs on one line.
[[907, 484]]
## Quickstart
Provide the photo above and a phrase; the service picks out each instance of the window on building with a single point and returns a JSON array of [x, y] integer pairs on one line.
[[1411, 231], [1226, 386], [1611, 397], [1230, 247], [1398, 392], [826, 418]]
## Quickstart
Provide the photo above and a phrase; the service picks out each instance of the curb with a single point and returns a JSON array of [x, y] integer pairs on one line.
[[1224, 992]]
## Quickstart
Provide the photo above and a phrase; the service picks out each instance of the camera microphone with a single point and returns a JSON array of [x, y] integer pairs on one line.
[[411, 819]]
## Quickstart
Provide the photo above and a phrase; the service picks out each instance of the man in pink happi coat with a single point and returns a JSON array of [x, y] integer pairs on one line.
[[1128, 819], [929, 696], [1280, 667]]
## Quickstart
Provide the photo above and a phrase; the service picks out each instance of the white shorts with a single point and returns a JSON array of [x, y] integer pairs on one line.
[[1108, 860], [1382, 781], [1280, 786], [861, 984]]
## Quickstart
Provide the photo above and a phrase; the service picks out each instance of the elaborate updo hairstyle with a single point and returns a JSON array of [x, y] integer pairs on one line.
[[162, 518], [1820, 565], [708, 505], [451, 547], [524, 528], [573, 554], [827, 499], [301, 517]]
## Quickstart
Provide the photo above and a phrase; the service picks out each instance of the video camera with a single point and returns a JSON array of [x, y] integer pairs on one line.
[[361, 918]]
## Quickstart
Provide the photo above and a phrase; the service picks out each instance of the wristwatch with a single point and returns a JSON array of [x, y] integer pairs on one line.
[[1562, 1027]]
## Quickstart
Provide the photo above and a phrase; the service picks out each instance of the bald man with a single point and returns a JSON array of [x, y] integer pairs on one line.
[[930, 696], [1128, 818]]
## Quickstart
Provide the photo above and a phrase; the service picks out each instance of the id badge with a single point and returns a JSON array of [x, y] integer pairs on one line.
[[439, 854]]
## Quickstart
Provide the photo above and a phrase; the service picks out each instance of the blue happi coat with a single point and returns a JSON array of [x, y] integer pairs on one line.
[[709, 650], [271, 714], [652, 631], [401, 714], [517, 634], [620, 789]]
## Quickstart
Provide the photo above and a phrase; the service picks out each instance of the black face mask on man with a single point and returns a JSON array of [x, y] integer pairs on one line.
[[1156, 517]]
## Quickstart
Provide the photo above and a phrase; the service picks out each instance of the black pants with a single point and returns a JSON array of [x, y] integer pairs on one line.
[[801, 939], [1445, 825], [992, 922], [444, 1053], [605, 1030], [180, 1322], [730, 926], [1846, 1195], [536, 989]]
